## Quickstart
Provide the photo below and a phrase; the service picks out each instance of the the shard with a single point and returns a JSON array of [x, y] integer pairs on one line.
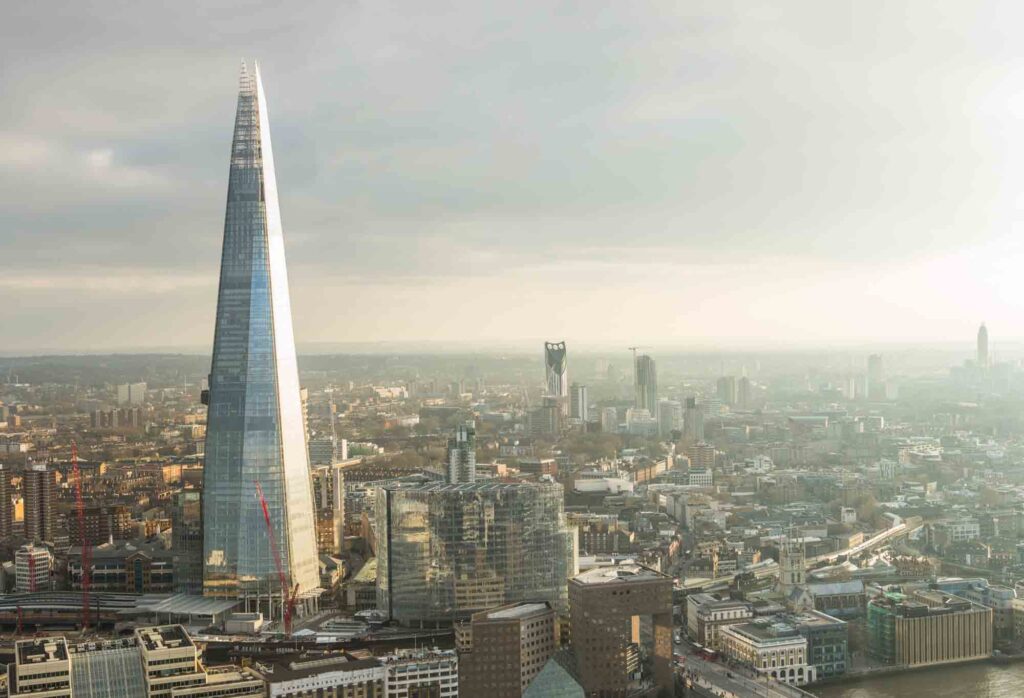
[[255, 437]]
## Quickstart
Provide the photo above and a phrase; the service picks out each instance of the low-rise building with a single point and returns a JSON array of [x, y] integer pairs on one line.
[[422, 674], [707, 614], [771, 647]]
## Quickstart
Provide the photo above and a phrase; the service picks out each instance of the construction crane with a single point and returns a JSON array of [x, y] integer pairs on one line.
[[287, 597], [86, 551]]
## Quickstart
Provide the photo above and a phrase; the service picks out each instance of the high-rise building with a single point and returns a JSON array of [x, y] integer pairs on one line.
[[983, 346], [646, 385], [131, 394], [744, 393], [187, 541], [462, 454], [579, 402], [605, 609], [556, 371], [505, 649], [6, 508], [876, 378], [693, 422], [329, 500], [727, 390], [609, 420], [255, 432], [670, 417], [447, 551], [33, 565], [40, 501]]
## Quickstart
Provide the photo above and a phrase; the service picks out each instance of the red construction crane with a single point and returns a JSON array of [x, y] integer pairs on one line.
[[86, 551], [288, 597]]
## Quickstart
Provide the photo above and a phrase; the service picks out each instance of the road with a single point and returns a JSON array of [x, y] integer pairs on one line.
[[730, 681]]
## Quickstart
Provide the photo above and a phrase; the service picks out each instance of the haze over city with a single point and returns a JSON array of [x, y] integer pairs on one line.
[[708, 174], [511, 350]]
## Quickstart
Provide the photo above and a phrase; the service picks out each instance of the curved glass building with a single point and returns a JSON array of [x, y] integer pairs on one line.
[[446, 551], [255, 431]]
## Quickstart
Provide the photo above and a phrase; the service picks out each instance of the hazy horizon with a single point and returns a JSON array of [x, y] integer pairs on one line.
[[719, 174]]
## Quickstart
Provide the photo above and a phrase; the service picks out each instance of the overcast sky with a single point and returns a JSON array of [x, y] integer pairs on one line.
[[683, 173]]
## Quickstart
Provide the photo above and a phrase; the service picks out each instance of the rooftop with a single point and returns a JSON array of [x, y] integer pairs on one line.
[[38, 651], [164, 637], [621, 574], [519, 610]]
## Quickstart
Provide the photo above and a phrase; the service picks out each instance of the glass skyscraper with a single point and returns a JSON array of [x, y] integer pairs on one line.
[[255, 431], [445, 551]]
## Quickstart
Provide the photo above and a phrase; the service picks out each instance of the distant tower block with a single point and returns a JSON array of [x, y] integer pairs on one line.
[[556, 372], [983, 346]]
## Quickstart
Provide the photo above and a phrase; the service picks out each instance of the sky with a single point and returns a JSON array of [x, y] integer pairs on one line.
[[678, 174]]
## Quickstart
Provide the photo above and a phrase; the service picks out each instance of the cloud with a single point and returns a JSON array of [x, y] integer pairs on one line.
[[712, 156]]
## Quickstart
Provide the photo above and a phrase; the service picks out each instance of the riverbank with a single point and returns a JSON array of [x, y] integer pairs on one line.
[[983, 678]]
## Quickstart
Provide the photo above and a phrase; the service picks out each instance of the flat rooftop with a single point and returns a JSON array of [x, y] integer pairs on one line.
[[519, 610], [41, 650], [164, 637], [621, 574]]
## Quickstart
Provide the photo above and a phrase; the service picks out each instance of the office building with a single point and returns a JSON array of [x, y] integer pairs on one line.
[[983, 346], [131, 394], [329, 500], [701, 455], [169, 659], [556, 373], [38, 485], [670, 418], [693, 422], [447, 551], [744, 394], [771, 647], [927, 627], [646, 384], [579, 402], [727, 390], [187, 541], [33, 565], [609, 420], [546, 420], [255, 431], [41, 667], [159, 662], [828, 642], [339, 676], [608, 609], [462, 454], [422, 673], [505, 648]]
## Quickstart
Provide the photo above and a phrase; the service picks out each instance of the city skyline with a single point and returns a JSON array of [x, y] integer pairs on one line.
[[566, 175]]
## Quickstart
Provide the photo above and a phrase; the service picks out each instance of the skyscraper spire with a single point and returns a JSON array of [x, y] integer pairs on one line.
[[255, 428]]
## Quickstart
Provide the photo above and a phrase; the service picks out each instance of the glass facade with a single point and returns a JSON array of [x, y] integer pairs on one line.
[[255, 431], [447, 550]]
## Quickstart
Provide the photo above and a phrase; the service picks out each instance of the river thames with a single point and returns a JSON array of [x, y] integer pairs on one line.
[[984, 680]]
